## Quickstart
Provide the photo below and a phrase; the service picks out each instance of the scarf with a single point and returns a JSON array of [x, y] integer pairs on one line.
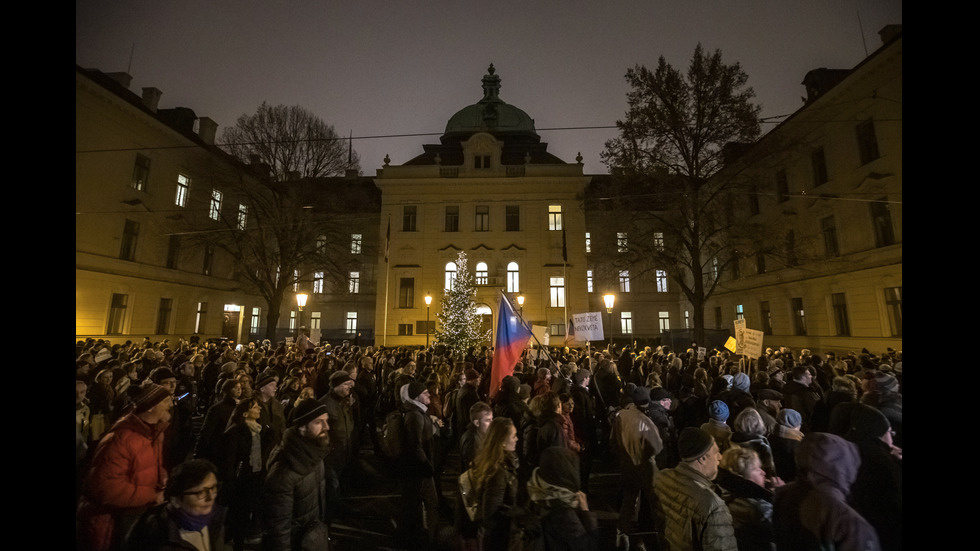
[[189, 522], [302, 454], [548, 494]]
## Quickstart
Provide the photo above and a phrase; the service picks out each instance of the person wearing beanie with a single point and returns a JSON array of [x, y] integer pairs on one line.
[[877, 489], [692, 515], [738, 396], [636, 444], [717, 424], [127, 474], [785, 441], [585, 420], [341, 405], [293, 492], [659, 410], [273, 418], [416, 468], [812, 512], [566, 521], [882, 392]]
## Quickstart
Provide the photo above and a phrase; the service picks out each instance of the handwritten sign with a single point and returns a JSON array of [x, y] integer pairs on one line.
[[587, 327]]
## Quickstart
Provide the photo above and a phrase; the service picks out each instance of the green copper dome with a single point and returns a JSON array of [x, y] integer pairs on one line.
[[490, 114]]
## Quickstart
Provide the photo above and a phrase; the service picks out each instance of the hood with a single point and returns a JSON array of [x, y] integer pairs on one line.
[[828, 461]]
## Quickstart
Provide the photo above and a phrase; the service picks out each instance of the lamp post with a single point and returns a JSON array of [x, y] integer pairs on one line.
[[428, 302], [300, 303], [609, 299], [520, 302]]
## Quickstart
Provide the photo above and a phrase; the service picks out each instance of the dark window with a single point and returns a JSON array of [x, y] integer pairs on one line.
[[839, 304], [406, 292], [420, 327], [117, 314], [208, 260], [405, 329], [766, 315], [718, 321], [799, 316], [790, 246], [173, 252], [408, 218], [782, 186], [760, 262], [131, 232], [754, 200], [881, 218], [829, 229], [819, 161], [163, 316], [452, 218], [482, 161], [867, 142], [141, 172], [893, 301], [482, 218], [513, 218]]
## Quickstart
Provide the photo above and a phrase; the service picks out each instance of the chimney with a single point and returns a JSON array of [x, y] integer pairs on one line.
[[151, 98], [207, 128], [122, 78], [888, 32]]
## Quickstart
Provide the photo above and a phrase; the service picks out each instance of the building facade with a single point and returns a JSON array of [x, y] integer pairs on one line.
[[827, 186]]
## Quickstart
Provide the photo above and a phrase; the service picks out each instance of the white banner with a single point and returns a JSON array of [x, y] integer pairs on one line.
[[586, 327]]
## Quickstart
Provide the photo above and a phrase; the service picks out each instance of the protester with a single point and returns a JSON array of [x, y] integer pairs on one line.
[[563, 508], [743, 484]]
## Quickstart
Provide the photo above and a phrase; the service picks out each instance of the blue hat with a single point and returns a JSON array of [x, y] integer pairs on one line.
[[718, 410]]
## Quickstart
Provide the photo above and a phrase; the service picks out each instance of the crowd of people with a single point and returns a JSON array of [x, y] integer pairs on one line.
[[789, 451]]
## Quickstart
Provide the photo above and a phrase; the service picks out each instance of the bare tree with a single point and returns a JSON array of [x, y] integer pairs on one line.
[[677, 131]]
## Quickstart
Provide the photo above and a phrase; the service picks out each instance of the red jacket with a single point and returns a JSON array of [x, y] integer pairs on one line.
[[125, 477]]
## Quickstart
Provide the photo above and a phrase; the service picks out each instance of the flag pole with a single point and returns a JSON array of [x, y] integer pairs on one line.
[[384, 336]]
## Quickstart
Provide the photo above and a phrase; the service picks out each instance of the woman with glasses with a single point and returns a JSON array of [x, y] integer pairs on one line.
[[190, 518]]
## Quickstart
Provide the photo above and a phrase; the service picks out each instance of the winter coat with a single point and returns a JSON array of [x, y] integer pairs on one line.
[[637, 443], [125, 477], [877, 491], [761, 446], [294, 492], [811, 513], [803, 399], [215, 423], [498, 497], [158, 530], [751, 508], [418, 457], [343, 430], [693, 516]]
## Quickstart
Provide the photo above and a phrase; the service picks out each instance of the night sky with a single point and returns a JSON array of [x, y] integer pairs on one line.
[[392, 73]]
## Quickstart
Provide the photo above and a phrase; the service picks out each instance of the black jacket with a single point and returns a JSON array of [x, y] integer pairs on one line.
[[294, 494], [157, 530]]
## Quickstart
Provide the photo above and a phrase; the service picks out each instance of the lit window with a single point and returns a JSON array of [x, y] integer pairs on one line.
[[658, 241], [739, 312], [318, 282], [626, 322], [482, 218], [314, 320], [554, 217], [588, 242], [321, 244], [405, 329], [556, 329], [354, 283], [141, 172], [715, 269], [295, 280], [355, 243], [624, 281], [215, 211], [588, 280], [183, 189], [661, 281], [200, 317], [242, 217], [481, 273], [557, 292], [450, 275], [351, 322], [408, 218], [253, 327], [893, 303], [117, 314], [621, 242], [664, 318], [513, 278]]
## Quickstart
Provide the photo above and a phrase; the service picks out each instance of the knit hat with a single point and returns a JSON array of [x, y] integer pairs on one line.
[[472, 374], [693, 443], [741, 381], [339, 377], [264, 379], [559, 465], [306, 411], [883, 382], [728, 380], [789, 418], [867, 422], [581, 375], [659, 393], [769, 394], [718, 411], [641, 395], [149, 396], [162, 373], [415, 388]]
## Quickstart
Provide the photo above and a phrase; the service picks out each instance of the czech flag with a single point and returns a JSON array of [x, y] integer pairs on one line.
[[510, 342]]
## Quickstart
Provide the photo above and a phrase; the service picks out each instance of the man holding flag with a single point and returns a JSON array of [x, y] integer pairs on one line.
[[509, 343]]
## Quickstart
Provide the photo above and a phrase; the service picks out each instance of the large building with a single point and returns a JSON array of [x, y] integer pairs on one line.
[[827, 186], [826, 273]]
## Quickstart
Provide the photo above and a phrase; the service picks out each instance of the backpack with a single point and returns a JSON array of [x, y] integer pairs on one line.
[[393, 435]]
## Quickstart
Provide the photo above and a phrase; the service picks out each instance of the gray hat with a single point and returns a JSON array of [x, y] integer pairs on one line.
[[789, 418], [307, 410]]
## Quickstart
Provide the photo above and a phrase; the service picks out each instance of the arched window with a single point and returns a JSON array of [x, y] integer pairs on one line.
[[513, 278], [450, 275], [481, 273]]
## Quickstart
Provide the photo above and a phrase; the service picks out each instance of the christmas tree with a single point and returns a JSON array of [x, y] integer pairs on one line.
[[459, 324]]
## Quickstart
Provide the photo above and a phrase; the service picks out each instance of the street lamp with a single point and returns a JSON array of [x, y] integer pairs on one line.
[[609, 299], [428, 302], [520, 302], [300, 303]]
